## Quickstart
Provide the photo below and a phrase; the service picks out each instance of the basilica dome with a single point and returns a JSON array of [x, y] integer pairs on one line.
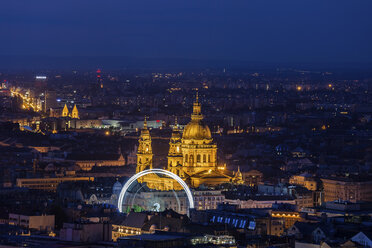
[[196, 130]]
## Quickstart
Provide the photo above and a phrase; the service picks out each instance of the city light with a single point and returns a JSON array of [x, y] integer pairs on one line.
[[185, 135]]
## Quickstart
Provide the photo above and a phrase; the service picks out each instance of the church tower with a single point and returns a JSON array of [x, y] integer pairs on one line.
[[144, 152], [238, 179], [175, 151], [65, 112], [75, 113]]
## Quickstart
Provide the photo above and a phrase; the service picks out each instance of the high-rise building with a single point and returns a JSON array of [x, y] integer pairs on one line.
[[99, 79], [50, 100]]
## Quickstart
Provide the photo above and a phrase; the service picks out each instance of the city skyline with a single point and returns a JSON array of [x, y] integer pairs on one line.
[[199, 123]]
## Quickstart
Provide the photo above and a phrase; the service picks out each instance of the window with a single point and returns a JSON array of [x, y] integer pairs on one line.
[[198, 158], [209, 158], [191, 158], [204, 158], [186, 157]]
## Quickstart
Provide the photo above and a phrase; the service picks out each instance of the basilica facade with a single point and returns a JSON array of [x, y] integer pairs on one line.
[[192, 156]]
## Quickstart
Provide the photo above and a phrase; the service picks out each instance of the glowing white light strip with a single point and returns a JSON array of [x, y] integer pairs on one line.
[[159, 171]]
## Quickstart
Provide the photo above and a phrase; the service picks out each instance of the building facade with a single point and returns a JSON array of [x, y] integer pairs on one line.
[[192, 156], [346, 190]]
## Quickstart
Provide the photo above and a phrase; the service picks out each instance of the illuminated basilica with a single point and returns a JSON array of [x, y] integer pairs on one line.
[[192, 156]]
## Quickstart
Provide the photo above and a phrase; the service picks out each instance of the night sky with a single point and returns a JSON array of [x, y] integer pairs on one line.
[[250, 30]]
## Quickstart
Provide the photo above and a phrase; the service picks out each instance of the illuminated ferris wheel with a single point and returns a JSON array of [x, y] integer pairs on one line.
[[155, 202]]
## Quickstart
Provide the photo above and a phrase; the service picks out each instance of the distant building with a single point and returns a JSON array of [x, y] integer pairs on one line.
[[289, 217], [171, 240], [252, 177], [32, 221], [87, 161], [50, 100], [146, 223], [347, 189], [48, 184], [261, 201], [85, 232], [305, 180]]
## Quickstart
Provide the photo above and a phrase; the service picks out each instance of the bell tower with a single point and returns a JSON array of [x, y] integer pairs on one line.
[[65, 112], [144, 152], [175, 151], [75, 113]]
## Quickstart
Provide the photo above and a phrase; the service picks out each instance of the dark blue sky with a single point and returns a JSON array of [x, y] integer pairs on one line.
[[250, 30]]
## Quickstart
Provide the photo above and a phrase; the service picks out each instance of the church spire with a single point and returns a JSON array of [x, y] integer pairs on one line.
[[176, 136], [65, 111], [239, 177], [145, 123], [175, 127], [196, 114], [75, 113]]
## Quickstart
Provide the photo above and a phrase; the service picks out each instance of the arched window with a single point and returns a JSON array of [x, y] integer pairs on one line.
[[209, 158], [186, 158], [191, 158], [204, 158], [198, 158]]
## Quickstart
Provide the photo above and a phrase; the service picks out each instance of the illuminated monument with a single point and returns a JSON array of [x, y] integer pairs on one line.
[[74, 113], [192, 156]]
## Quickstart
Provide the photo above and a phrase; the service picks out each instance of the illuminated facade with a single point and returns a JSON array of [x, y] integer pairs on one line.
[[65, 111], [144, 152], [289, 217], [74, 113], [304, 180], [192, 156], [345, 189]]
